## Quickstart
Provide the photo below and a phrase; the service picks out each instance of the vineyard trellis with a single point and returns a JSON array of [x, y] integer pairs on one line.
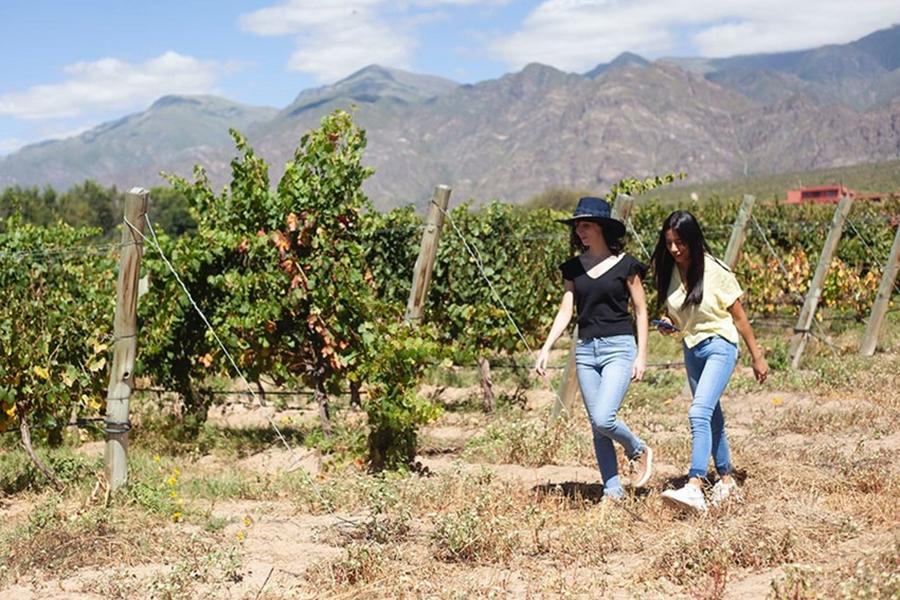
[[267, 298]]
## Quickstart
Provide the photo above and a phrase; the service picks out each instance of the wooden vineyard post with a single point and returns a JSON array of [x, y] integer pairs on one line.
[[121, 374], [621, 209], [431, 236], [569, 392], [808, 312], [568, 387], [739, 231], [882, 299]]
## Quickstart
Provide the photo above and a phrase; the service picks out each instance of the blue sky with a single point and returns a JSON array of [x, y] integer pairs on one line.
[[70, 65]]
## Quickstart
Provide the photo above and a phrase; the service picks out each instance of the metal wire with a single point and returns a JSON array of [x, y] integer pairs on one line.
[[476, 255], [784, 270], [77, 249], [155, 244], [869, 248]]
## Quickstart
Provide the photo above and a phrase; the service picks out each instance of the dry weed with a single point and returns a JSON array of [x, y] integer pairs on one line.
[[875, 576]]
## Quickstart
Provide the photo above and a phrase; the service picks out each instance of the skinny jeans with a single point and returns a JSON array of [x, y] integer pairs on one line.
[[709, 366], [604, 366]]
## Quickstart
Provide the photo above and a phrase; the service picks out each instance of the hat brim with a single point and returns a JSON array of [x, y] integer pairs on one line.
[[616, 224]]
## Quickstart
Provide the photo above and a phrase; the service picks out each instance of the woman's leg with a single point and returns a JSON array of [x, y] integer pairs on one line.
[[603, 387], [589, 379], [720, 452], [710, 365], [617, 356]]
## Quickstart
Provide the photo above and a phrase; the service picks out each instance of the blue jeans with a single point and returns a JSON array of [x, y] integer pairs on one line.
[[709, 366], [604, 368]]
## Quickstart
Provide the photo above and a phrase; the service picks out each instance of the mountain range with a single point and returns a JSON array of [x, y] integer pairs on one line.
[[512, 137]]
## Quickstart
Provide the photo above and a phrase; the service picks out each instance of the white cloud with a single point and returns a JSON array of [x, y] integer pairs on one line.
[[336, 38], [578, 34], [332, 54], [798, 26], [297, 16], [333, 39], [113, 84]]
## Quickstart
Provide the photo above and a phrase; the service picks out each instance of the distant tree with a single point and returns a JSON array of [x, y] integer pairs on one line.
[[31, 205], [89, 204], [170, 211]]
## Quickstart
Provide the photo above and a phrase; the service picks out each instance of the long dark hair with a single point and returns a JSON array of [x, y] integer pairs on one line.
[[614, 241], [688, 229]]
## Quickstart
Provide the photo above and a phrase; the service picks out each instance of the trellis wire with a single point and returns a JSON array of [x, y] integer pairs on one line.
[[784, 270], [476, 255], [869, 249], [155, 245], [75, 249]]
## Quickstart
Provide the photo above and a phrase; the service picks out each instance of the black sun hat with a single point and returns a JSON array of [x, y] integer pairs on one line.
[[595, 209]]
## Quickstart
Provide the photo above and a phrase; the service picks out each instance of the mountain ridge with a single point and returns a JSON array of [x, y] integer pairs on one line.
[[539, 127]]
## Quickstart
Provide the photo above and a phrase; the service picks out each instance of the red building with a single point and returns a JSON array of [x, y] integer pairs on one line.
[[822, 194]]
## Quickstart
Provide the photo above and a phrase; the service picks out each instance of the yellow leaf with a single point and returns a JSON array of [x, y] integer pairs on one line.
[[100, 347], [98, 365], [42, 372]]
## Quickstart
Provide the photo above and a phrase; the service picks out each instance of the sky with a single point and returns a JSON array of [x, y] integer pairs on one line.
[[67, 66]]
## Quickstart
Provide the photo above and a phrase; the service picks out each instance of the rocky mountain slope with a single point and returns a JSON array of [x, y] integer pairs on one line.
[[514, 136]]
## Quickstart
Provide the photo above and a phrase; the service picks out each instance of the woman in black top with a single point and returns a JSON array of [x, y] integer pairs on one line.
[[600, 282]]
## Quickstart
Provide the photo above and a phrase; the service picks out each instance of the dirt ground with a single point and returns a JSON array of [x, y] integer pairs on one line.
[[508, 506]]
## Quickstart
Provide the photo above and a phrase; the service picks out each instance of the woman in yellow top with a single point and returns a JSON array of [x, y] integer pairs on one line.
[[701, 297]]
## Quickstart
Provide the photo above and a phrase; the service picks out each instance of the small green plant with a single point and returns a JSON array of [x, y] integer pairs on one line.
[[396, 358], [360, 563], [18, 473], [475, 533], [389, 518], [523, 441], [156, 490]]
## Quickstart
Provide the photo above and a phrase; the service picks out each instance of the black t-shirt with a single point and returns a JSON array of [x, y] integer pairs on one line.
[[602, 303]]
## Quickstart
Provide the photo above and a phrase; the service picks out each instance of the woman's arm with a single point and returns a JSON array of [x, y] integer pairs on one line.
[[639, 299], [742, 323], [563, 316]]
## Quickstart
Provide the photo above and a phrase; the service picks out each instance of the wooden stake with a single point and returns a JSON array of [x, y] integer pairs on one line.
[[427, 254], [568, 393], [487, 386], [621, 209], [739, 231], [808, 312], [882, 299], [121, 374]]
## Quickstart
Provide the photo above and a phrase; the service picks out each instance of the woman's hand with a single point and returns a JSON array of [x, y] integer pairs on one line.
[[637, 371], [760, 368], [742, 323], [540, 365]]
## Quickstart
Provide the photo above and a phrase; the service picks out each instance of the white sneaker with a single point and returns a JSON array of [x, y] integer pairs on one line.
[[642, 468], [722, 491], [688, 497]]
